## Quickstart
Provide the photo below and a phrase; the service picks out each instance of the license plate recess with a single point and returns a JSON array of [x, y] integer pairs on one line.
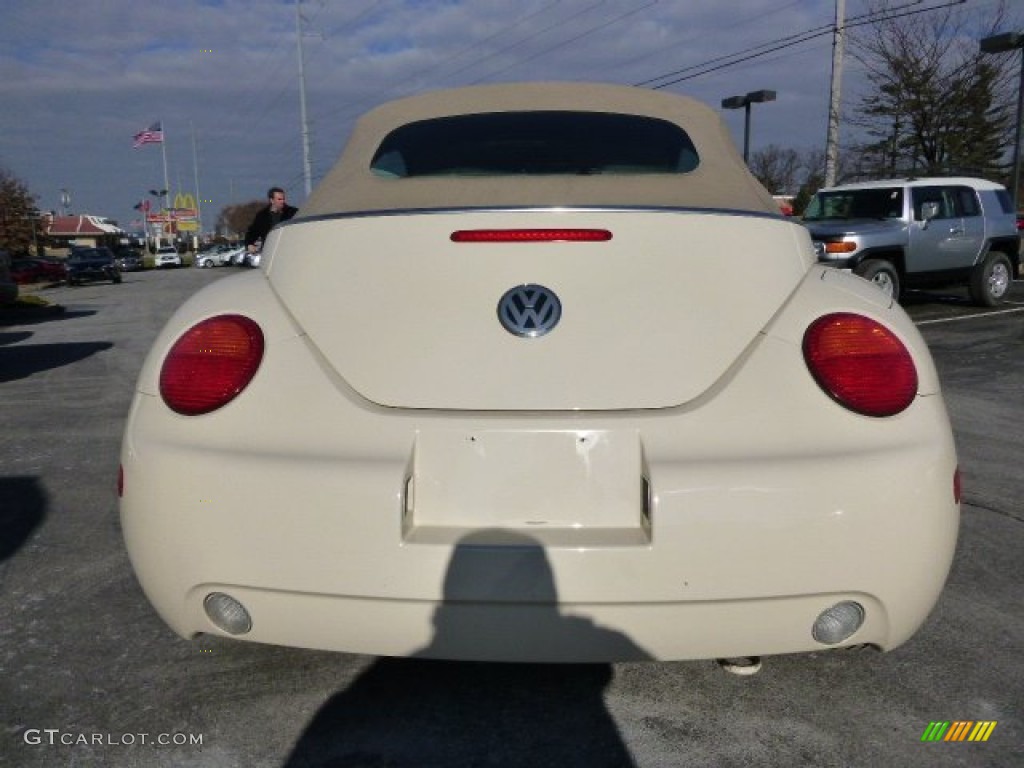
[[559, 486]]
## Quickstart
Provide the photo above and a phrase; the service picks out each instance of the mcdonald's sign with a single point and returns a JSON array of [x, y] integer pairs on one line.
[[184, 201], [184, 207]]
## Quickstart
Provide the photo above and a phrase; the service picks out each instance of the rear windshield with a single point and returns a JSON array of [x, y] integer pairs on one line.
[[535, 143]]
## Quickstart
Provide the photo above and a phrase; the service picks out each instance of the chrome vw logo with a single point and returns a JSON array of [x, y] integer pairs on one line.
[[529, 310]]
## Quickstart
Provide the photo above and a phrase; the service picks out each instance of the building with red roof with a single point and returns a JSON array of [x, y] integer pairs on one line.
[[84, 230]]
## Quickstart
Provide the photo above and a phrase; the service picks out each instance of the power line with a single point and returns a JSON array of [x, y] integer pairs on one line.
[[729, 59], [735, 25], [354, 108], [571, 40], [489, 38], [757, 51]]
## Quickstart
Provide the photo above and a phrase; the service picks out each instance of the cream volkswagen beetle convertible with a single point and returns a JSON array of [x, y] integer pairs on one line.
[[539, 373]]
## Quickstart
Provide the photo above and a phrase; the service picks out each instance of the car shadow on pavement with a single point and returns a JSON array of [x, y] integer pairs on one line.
[[22, 508], [45, 314], [425, 712], [20, 362], [14, 338], [34, 316]]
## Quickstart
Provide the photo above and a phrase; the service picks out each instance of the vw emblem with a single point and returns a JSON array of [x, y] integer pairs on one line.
[[529, 310]]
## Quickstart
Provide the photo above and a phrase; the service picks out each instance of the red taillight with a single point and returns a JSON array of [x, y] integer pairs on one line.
[[957, 486], [531, 236], [861, 364], [210, 364]]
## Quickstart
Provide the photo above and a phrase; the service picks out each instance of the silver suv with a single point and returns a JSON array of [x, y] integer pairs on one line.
[[908, 233]]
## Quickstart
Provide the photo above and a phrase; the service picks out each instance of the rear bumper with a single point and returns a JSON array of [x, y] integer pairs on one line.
[[538, 633], [733, 557]]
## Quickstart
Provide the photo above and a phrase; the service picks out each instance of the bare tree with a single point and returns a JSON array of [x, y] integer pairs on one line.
[[812, 177], [233, 220], [936, 104], [777, 169]]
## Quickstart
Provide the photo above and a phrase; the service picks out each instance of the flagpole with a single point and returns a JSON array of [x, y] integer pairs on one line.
[[163, 149], [195, 173]]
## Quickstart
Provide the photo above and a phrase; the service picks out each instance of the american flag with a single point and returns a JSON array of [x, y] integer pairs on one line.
[[152, 135]]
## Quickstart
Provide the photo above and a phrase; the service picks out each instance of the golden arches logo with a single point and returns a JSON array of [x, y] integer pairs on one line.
[[186, 201], [185, 212]]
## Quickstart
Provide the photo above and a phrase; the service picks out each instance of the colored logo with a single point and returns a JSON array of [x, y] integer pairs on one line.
[[959, 730], [186, 201], [184, 207]]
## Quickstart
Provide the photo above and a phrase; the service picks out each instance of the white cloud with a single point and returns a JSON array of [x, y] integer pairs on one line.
[[79, 79]]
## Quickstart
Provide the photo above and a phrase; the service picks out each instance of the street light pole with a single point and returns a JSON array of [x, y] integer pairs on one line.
[[307, 168], [1010, 41], [735, 102]]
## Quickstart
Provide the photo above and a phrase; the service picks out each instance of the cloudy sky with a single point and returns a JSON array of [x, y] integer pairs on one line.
[[79, 79]]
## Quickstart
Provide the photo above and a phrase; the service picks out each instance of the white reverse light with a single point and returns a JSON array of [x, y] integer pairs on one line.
[[227, 613], [837, 623]]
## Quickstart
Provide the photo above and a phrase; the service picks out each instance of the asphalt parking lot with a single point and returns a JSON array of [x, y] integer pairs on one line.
[[90, 676]]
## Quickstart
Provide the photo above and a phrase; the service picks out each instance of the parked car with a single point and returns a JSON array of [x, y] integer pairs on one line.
[[514, 386], [90, 264], [215, 257], [8, 288], [167, 256], [53, 269], [920, 233], [130, 260], [27, 271], [243, 258]]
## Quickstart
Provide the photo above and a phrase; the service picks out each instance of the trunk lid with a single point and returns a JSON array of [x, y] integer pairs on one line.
[[650, 318]]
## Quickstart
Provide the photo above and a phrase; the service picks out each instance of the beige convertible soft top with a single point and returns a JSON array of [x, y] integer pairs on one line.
[[720, 181]]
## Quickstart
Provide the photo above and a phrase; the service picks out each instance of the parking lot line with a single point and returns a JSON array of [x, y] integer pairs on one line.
[[976, 316]]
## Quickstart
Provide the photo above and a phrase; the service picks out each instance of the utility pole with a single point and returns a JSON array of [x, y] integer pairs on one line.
[[307, 171], [832, 142]]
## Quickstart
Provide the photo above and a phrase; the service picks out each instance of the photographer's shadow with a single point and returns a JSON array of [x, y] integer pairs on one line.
[[420, 712]]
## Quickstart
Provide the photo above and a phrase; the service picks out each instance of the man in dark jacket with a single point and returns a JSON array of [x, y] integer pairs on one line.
[[277, 210]]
